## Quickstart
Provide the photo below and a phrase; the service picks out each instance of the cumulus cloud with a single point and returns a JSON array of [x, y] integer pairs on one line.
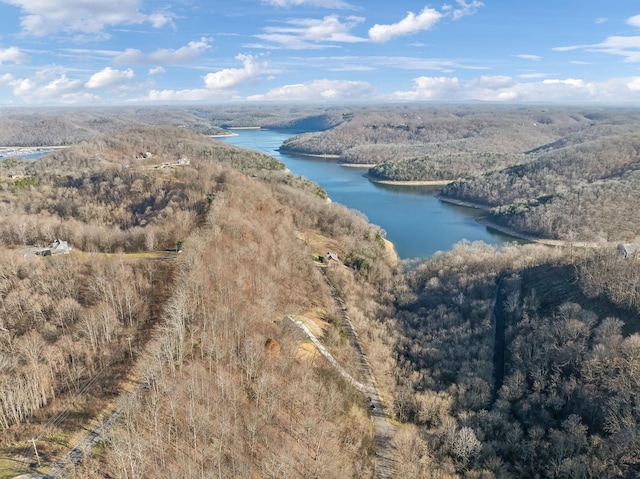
[[156, 70], [410, 24], [13, 54], [41, 17], [109, 78], [507, 89], [311, 33], [230, 77], [49, 85], [425, 20], [163, 56], [316, 3], [319, 90]]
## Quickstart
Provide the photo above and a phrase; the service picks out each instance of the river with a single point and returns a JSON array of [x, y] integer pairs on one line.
[[417, 223]]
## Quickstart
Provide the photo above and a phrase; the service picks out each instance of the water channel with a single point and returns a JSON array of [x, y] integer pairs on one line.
[[416, 222]]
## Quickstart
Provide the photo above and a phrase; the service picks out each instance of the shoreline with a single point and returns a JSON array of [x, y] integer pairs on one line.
[[226, 135], [311, 155], [358, 165], [467, 204], [409, 183], [483, 220]]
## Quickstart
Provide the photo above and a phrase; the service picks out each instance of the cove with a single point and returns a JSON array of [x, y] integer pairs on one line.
[[417, 223]]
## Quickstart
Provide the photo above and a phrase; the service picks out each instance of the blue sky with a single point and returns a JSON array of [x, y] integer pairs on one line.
[[93, 52]]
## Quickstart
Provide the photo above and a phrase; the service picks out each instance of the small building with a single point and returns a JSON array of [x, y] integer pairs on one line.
[[628, 250], [331, 257], [59, 247], [55, 248]]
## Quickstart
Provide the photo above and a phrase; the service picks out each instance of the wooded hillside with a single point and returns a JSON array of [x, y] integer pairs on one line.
[[577, 192], [510, 369], [59, 126], [201, 337], [493, 362]]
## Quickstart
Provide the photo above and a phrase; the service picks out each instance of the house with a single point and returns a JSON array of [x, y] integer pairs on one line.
[[629, 250], [55, 248], [331, 257], [59, 247]]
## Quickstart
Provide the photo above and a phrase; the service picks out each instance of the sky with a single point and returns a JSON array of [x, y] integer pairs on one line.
[[112, 52]]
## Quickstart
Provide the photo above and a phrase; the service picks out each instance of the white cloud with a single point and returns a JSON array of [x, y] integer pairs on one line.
[[624, 46], [13, 54], [533, 75], [432, 88], [410, 24], [109, 78], [48, 86], [230, 77], [466, 8], [634, 21], [311, 33], [628, 47], [156, 70], [197, 94], [507, 89], [317, 3], [41, 17], [601, 20], [163, 56], [529, 57], [320, 90]]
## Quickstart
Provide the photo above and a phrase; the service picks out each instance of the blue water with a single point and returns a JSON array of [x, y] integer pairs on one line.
[[417, 223]]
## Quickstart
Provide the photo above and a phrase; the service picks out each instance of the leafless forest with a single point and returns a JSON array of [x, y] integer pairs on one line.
[[188, 255]]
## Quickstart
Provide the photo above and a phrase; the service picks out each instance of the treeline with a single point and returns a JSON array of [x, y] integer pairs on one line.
[[559, 399]]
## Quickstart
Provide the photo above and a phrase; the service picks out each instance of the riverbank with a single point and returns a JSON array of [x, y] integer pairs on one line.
[[466, 204], [310, 155], [408, 183], [225, 135], [358, 165], [415, 221], [483, 220]]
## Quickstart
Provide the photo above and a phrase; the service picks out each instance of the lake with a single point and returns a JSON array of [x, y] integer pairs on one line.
[[417, 223]]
